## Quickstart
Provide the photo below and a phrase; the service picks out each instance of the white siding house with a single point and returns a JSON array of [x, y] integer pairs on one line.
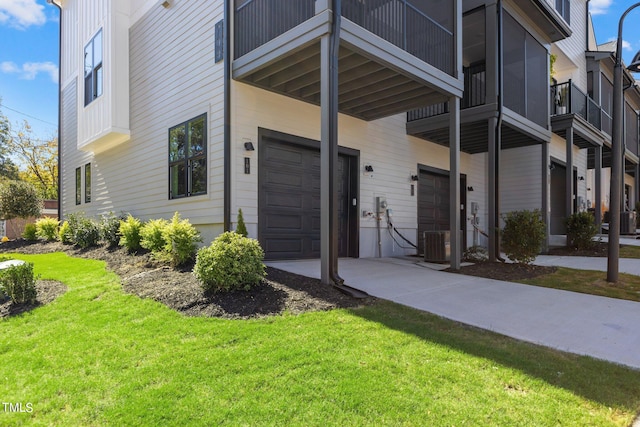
[[133, 140]]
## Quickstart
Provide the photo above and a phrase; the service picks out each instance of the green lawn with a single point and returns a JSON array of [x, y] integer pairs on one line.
[[629, 251], [97, 356]]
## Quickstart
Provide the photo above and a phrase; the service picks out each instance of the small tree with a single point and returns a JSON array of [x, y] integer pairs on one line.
[[241, 229], [19, 200], [523, 235]]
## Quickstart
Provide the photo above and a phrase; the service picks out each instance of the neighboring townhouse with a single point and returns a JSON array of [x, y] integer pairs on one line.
[[505, 123], [157, 117]]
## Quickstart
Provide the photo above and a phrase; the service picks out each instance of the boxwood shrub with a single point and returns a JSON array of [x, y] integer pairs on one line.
[[232, 262], [18, 283], [581, 229], [523, 235]]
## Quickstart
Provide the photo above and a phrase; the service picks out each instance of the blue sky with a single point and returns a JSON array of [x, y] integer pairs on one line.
[[29, 56], [29, 64]]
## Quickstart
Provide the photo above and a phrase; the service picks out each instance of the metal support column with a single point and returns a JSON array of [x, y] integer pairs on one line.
[[546, 191], [329, 150], [454, 182], [492, 196], [569, 173]]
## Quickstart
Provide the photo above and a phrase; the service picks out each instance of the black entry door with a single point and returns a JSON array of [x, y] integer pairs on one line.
[[558, 199], [289, 201]]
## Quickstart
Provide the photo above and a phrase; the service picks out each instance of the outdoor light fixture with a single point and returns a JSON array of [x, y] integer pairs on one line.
[[469, 188], [368, 168], [414, 177], [634, 67], [165, 4], [249, 146], [552, 167], [581, 178]]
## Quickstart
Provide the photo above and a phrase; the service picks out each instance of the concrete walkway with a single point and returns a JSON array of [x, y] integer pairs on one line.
[[603, 328]]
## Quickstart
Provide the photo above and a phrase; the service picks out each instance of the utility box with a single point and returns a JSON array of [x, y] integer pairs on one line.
[[437, 246], [628, 222]]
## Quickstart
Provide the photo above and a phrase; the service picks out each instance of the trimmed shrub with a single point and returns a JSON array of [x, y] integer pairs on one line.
[[64, 233], [130, 234], [523, 235], [151, 235], [19, 284], [47, 229], [231, 262], [84, 231], [241, 228], [581, 229], [29, 233], [180, 241], [110, 229]]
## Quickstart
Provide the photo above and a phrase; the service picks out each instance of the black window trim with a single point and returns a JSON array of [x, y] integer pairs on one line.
[[87, 183], [78, 186], [91, 78], [188, 161]]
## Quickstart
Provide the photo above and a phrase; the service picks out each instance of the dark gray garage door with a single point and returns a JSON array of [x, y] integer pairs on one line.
[[289, 201], [433, 204]]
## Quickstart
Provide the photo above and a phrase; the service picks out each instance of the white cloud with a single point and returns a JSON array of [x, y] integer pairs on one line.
[[625, 44], [30, 70], [21, 13], [9, 67], [599, 7]]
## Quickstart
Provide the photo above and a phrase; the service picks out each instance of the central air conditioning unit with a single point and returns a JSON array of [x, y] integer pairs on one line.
[[628, 222], [437, 246]]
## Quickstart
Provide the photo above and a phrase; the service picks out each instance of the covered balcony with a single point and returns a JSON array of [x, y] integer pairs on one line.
[[571, 108], [524, 110], [394, 55]]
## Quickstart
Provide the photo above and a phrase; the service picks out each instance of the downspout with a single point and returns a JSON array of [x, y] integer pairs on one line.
[[498, 131], [59, 108], [227, 116]]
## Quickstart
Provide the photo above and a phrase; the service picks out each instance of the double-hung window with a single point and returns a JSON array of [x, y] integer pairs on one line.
[[188, 158], [93, 71]]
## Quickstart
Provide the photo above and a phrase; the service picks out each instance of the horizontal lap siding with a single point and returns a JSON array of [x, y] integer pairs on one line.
[[173, 78]]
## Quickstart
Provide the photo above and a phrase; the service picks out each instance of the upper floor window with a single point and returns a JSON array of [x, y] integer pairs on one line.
[[564, 9], [93, 70], [188, 158]]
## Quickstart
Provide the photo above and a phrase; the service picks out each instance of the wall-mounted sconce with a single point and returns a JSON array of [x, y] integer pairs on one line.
[[469, 188], [552, 167], [414, 177], [249, 146], [368, 168], [581, 178], [166, 4]]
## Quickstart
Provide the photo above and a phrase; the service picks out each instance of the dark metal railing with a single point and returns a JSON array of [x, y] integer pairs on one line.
[[403, 24], [475, 94], [259, 21], [566, 98], [397, 21]]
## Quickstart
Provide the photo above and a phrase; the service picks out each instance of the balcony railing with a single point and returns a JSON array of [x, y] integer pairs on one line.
[[259, 21], [475, 94], [566, 98], [397, 21]]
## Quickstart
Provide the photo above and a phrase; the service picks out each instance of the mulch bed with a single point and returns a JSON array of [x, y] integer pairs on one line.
[[506, 271], [48, 290], [280, 292], [599, 249]]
